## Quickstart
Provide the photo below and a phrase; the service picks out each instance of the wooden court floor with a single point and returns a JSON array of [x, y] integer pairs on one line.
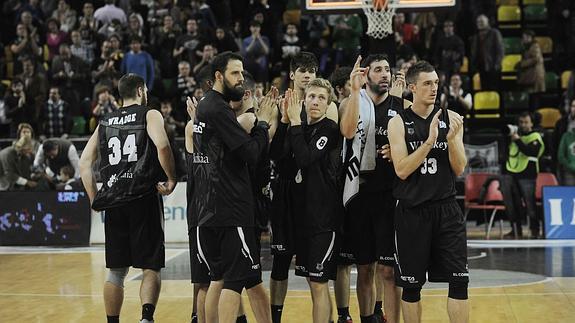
[[67, 287]]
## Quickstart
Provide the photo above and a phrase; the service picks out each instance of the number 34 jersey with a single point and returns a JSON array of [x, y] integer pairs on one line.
[[434, 180], [129, 166]]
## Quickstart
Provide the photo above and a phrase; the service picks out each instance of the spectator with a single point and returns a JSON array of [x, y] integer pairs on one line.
[[456, 98], [566, 157], [135, 27], [33, 8], [188, 43], [207, 58], [449, 51], [65, 15], [112, 28], [106, 67], [186, 84], [105, 103], [290, 45], [172, 126], [237, 34], [18, 107], [55, 154], [340, 82], [4, 121], [486, 54], [67, 180], [316, 29], [530, 70], [88, 35], [403, 28], [525, 149], [26, 44], [28, 21], [224, 41], [81, 50], [55, 117], [164, 40], [88, 18], [109, 12], [15, 166], [403, 51], [139, 62], [565, 124], [35, 86], [26, 130], [256, 49], [346, 37], [55, 37], [71, 74]]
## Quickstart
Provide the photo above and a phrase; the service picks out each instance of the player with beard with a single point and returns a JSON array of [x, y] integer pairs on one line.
[[222, 200], [369, 216], [136, 149], [428, 154]]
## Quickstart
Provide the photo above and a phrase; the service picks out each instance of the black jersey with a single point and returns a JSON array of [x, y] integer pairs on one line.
[[222, 193], [317, 152], [434, 180], [192, 220], [129, 165], [384, 175]]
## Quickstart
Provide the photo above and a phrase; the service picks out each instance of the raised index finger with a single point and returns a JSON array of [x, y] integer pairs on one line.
[[357, 62]]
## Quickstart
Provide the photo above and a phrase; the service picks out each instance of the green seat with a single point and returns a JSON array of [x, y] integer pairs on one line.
[[515, 102], [79, 126], [551, 81], [535, 12], [512, 45]]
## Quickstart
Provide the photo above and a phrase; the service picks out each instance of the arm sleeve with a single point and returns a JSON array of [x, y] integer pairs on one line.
[[306, 153], [248, 148], [39, 159], [531, 149], [10, 171], [74, 160]]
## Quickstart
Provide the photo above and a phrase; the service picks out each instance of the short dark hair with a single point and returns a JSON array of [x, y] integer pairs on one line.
[[249, 81], [339, 77], [220, 62], [529, 32], [136, 39], [68, 171], [304, 60], [255, 23], [417, 68], [129, 84], [526, 114], [49, 145], [374, 58]]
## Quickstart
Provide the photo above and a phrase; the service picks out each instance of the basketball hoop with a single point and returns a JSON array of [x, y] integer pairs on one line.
[[379, 17]]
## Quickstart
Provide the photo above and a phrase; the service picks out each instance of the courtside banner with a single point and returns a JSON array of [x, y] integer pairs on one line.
[[559, 209], [175, 223]]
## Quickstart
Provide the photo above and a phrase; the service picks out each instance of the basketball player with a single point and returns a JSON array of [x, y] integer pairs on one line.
[[222, 200], [135, 149], [316, 147], [370, 212], [428, 153]]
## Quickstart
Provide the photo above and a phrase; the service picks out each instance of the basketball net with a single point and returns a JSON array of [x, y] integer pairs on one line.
[[379, 17]]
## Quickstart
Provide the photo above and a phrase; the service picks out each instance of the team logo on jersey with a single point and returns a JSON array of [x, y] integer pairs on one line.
[[298, 177], [319, 267], [442, 124], [113, 179], [391, 113], [410, 131], [199, 128], [321, 142]]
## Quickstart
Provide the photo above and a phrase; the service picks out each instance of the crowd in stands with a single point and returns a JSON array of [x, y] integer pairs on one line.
[[60, 60]]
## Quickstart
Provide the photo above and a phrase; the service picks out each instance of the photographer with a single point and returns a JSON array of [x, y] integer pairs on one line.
[[522, 165]]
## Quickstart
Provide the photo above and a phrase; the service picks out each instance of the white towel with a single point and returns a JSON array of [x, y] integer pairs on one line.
[[363, 155]]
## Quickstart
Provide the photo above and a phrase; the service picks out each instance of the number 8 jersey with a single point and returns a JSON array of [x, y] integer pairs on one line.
[[434, 180], [129, 166]]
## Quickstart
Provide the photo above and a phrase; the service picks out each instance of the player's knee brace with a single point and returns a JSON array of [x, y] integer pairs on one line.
[[458, 290], [280, 267], [236, 285], [411, 295], [116, 276]]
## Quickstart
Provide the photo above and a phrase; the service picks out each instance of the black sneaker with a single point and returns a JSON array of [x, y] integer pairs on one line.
[[344, 319]]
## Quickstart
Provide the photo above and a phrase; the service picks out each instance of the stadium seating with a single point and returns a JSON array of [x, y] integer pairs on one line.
[[508, 66], [515, 102], [527, 2], [486, 104], [512, 45], [79, 126], [549, 117], [543, 179], [551, 81], [535, 13], [509, 16], [546, 44], [507, 2], [465, 66], [565, 76], [476, 82]]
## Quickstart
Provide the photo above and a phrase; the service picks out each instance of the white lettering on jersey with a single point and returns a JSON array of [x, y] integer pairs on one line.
[[321, 142], [122, 120], [199, 128]]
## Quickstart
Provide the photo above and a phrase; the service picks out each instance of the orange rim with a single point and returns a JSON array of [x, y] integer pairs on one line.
[[379, 4]]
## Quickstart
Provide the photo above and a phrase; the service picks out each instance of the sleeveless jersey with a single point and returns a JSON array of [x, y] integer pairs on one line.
[[192, 220], [384, 175], [129, 165], [434, 180]]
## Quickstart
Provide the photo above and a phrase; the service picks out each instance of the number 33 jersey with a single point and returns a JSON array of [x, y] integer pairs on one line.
[[129, 166], [434, 180]]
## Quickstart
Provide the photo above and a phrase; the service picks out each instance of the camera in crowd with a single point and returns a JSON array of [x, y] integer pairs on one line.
[[509, 129]]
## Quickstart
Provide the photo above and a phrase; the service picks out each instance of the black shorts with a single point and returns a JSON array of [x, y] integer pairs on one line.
[[286, 204], [135, 234], [368, 232], [200, 274], [314, 257], [430, 239], [230, 253]]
